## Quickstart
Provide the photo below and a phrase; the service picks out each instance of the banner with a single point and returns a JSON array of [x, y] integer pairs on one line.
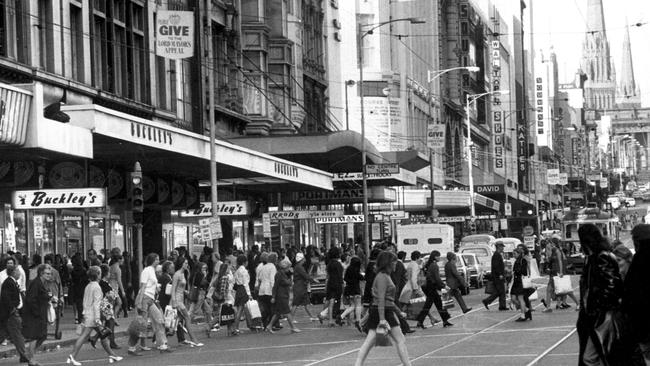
[[174, 34]]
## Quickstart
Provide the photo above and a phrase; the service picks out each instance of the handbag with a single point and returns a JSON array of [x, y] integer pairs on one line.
[[240, 294], [103, 332], [79, 329], [527, 282], [562, 285], [168, 289], [171, 318], [490, 288], [51, 314], [608, 331]]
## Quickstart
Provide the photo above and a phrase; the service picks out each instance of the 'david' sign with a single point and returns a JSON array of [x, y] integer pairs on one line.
[[174, 34], [59, 198]]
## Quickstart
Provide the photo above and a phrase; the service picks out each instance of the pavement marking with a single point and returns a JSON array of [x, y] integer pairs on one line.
[[246, 363], [477, 356], [333, 357], [551, 348]]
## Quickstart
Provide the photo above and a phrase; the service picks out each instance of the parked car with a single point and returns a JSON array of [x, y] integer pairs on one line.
[[630, 202], [483, 253], [475, 269]]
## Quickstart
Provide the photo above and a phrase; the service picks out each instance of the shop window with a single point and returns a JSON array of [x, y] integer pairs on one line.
[[76, 43], [43, 234], [97, 234], [45, 27], [117, 235]]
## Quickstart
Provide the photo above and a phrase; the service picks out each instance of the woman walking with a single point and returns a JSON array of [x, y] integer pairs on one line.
[[92, 318], [37, 303], [198, 289], [352, 291], [115, 280], [432, 286], [301, 280], [280, 299], [107, 307], [334, 286], [600, 292], [178, 291], [242, 289], [219, 293], [146, 300], [519, 270], [78, 282], [382, 317]]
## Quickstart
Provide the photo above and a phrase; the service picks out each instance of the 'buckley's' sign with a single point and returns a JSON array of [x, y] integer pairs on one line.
[[59, 198]]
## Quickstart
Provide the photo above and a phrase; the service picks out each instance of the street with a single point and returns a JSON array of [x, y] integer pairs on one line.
[[480, 337]]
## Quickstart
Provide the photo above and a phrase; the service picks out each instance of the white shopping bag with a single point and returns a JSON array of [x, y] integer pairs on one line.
[[562, 285], [171, 317], [253, 309]]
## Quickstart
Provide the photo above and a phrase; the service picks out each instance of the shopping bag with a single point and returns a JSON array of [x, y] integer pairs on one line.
[[253, 309], [562, 285], [490, 288], [527, 282], [227, 314], [405, 295], [170, 317], [51, 314], [534, 296]]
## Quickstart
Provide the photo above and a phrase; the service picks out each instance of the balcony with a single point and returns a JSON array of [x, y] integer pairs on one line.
[[230, 98]]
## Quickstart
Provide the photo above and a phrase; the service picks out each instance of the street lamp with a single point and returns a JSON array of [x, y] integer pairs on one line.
[[348, 83], [471, 98], [360, 36], [431, 76]]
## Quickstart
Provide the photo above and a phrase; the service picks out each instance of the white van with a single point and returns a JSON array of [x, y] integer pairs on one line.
[[425, 238], [479, 239]]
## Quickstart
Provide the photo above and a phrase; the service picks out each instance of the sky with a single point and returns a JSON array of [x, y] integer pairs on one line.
[[562, 23]]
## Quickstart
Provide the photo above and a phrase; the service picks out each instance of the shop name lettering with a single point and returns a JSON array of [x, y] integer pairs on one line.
[[286, 169], [149, 133], [348, 193], [43, 199], [221, 208]]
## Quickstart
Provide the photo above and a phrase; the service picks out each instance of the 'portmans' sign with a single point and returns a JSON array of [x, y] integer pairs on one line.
[[59, 198], [174, 34]]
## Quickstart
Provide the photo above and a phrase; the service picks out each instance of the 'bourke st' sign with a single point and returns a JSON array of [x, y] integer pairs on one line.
[[59, 198]]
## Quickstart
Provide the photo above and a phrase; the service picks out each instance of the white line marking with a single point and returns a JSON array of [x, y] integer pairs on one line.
[[478, 356], [548, 350], [333, 357]]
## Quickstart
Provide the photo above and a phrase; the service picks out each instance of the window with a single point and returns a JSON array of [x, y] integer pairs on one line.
[[76, 46], [45, 35], [433, 241], [410, 241]]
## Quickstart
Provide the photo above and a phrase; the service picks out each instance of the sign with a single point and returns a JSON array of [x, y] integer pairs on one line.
[[563, 179], [302, 215], [528, 230], [38, 227], [507, 209], [59, 198], [504, 224], [339, 220], [529, 241], [348, 195], [542, 112], [174, 34], [382, 168], [443, 220], [396, 214], [266, 225], [576, 148], [376, 231], [489, 189], [403, 176], [522, 155], [225, 208], [593, 176], [210, 228], [436, 136], [553, 176], [604, 182]]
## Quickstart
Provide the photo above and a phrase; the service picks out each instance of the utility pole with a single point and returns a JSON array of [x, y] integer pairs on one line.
[[211, 117]]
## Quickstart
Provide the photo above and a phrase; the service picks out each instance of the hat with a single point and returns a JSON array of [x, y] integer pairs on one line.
[[299, 256], [499, 244], [285, 263]]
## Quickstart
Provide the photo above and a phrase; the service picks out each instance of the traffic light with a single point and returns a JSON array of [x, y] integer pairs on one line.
[[388, 232], [136, 192]]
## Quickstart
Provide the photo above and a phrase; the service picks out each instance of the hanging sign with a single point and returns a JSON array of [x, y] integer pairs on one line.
[[224, 208], [435, 136], [507, 209], [59, 198], [563, 179], [38, 227], [553, 176], [339, 220], [266, 225], [174, 34]]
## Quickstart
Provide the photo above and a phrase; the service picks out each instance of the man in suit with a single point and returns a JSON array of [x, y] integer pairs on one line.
[[10, 321], [498, 277], [433, 285], [455, 281]]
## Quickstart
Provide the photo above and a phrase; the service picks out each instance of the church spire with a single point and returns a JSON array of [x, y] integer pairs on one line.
[[600, 86], [627, 85], [595, 17]]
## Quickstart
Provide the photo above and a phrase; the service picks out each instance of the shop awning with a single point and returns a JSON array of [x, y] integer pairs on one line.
[[122, 138], [446, 199], [403, 178], [332, 152], [412, 160]]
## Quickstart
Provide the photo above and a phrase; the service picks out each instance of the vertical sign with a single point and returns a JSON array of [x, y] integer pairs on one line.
[[507, 208], [522, 154], [266, 225], [575, 151], [38, 227], [542, 113], [498, 123], [350, 230], [204, 227], [215, 228], [563, 179], [436, 136], [174, 34]]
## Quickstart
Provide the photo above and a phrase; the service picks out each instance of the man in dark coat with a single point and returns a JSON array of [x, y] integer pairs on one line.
[[10, 322], [37, 302], [399, 274], [455, 281], [636, 293], [499, 278], [433, 285]]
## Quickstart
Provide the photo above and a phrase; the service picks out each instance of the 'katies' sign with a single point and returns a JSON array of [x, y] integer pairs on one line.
[[174, 34], [59, 198]]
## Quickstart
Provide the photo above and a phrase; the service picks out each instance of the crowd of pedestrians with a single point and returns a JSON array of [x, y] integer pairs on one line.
[[613, 322]]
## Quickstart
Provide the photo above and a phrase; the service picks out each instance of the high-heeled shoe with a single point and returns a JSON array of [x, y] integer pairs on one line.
[[112, 359], [447, 324], [72, 361], [421, 325], [529, 315], [358, 326]]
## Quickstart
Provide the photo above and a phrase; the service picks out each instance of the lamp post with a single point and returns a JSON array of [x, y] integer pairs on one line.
[[431, 77], [348, 83], [471, 98], [360, 36]]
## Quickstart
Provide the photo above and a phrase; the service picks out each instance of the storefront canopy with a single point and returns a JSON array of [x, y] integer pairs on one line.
[[121, 138], [333, 152]]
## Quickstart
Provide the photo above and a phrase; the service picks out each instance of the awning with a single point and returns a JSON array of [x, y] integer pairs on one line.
[[446, 199], [123, 138], [412, 160], [332, 152], [403, 178]]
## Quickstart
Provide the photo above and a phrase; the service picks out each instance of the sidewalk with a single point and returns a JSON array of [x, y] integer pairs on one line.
[[68, 333]]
